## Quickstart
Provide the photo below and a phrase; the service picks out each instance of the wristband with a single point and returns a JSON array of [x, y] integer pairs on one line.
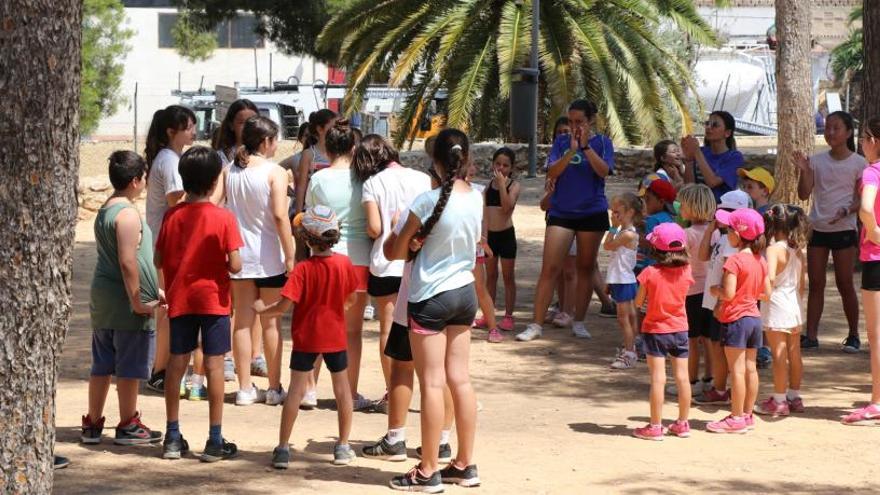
[[613, 230]]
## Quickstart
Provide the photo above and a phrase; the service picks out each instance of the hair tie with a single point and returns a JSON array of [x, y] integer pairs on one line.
[[456, 147]]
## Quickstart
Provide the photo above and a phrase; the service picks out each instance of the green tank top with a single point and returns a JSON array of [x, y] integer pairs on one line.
[[109, 305]]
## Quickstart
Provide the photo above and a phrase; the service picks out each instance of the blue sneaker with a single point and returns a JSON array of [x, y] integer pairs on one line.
[[198, 393], [765, 358]]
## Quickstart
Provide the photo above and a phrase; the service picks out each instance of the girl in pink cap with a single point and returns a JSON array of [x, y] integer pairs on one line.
[[743, 283]]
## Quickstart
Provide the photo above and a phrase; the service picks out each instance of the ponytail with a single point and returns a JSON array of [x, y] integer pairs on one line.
[[340, 139], [450, 151], [256, 130], [172, 117]]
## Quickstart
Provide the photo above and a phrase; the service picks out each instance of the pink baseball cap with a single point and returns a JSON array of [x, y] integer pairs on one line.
[[747, 222], [668, 237]]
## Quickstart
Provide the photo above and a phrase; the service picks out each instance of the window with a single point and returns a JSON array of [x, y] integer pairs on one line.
[[235, 33]]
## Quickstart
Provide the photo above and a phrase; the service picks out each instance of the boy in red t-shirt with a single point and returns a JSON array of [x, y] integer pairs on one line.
[[197, 248], [318, 287]]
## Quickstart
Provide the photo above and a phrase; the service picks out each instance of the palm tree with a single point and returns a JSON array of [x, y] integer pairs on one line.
[[606, 50], [847, 59]]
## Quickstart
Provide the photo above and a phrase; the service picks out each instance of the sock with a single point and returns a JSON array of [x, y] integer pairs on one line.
[[197, 380], [285, 447], [395, 435], [172, 430], [793, 394], [779, 398], [444, 436], [214, 435]]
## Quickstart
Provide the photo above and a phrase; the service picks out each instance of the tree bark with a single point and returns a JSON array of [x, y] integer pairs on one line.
[[39, 162], [871, 51], [794, 99]]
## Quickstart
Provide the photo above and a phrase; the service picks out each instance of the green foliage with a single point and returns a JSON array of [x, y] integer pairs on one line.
[[104, 45], [194, 41], [849, 55]]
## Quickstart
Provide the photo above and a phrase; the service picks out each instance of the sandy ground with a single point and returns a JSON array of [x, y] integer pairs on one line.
[[554, 419]]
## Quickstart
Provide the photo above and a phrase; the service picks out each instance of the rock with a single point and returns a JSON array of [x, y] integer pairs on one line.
[[92, 203]]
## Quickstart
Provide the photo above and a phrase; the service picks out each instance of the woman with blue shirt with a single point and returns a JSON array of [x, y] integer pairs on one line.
[[716, 163], [579, 163]]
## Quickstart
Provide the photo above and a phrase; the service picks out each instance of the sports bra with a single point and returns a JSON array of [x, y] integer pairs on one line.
[[493, 197]]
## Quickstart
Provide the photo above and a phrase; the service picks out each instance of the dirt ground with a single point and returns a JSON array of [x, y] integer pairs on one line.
[[554, 419]]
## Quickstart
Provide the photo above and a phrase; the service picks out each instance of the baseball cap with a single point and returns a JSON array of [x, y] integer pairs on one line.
[[748, 223], [662, 189], [734, 200], [317, 220], [759, 174], [668, 236]]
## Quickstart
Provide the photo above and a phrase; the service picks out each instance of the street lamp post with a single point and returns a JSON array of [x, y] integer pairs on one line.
[[524, 95]]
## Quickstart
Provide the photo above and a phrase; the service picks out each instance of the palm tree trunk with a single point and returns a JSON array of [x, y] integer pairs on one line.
[[794, 93], [871, 50]]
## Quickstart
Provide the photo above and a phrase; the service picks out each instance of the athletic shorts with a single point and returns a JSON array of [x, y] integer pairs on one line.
[[597, 222], [699, 318], [623, 292], [744, 333], [273, 282], [123, 353], [503, 243], [397, 347], [834, 240], [871, 275], [305, 361], [382, 286], [452, 307], [666, 344], [714, 328], [214, 329]]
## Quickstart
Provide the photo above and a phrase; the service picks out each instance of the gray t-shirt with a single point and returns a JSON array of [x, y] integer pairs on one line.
[[834, 183], [164, 179]]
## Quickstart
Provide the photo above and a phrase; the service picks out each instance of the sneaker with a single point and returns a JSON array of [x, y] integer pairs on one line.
[[562, 320], [681, 429], [728, 425], [466, 476], [259, 367], [696, 389], [624, 361], [228, 369], [248, 397], [369, 312], [174, 449], [750, 421], [866, 416], [650, 432], [381, 405], [552, 313], [394, 452], [579, 330], [156, 383], [480, 323], [417, 481], [808, 343], [532, 332], [343, 455], [135, 433], [444, 453], [198, 393], [275, 397], [91, 431], [60, 462], [495, 337], [361, 403], [770, 407], [184, 387], [852, 344], [796, 405], [507, 324], [310, 400], [608, 311], [764, 358], [280, 458], [640, 348], [214, 452], [712, 396]]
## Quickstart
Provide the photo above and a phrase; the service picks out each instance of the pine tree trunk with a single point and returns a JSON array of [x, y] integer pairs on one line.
[[794, 93], [871, 47], [39, 163]]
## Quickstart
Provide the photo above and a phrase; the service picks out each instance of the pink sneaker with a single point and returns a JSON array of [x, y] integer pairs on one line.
[[506, 324], [866, 416], [650, 432], [728, 425], [681, 429], [712, 396], [772, 408], [750, 421], [495, 336], [796, 405], [480, 322]]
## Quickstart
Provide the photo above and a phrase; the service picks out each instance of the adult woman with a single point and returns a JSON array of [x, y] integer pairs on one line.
[[578, 210], [444, 226], [256, 192], [668, 162], [337, 187], [714, 164], [831, 178]]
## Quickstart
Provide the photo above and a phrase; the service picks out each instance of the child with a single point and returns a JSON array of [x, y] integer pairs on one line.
[[744, 282], [659, 196], [124, 294], [319, 287], [759, 185], [623, 240], [500, 200], [484, 252], [197, 248], [787, 225], [664, 285]]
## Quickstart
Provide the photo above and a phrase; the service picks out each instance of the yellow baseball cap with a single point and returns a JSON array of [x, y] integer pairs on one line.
[[759, 174]]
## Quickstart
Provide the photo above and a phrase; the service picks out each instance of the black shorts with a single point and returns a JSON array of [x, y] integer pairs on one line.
[[503, 243], [382, 286], [834, 240], [597, 222], [714, 329], [397, 347], [305, 361], [699, 318], [214, 330], [273, 282], [871, 275], [453, 307]]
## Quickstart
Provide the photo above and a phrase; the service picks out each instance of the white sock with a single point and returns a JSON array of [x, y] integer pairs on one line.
[[444, 436], [793, 394], [197, 380], [395, 435], [779, 398]]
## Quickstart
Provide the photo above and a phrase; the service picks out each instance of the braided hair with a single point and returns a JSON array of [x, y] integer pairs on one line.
[[450, 151]]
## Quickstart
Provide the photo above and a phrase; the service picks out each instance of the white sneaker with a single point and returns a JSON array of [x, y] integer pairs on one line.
[[228, 369], [310, 400], [625, 360], [275, 397], [562, 320], [360, 403], [248, 397], [369, 312], [580, 330], [696, 389], [532, 332]]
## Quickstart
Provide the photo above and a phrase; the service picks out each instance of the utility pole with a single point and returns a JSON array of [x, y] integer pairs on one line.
[[533, 136]]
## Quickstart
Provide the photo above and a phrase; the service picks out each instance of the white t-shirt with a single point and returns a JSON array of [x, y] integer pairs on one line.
[[336, 188], [721, 250], [164, 179], [393, 190], [400, 315], [446, 259], [834, 183]]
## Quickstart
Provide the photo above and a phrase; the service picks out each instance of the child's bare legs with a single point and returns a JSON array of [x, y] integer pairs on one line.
[[298, 385], [599, 288], [557, 241], [625, 317], [429, 356], [694, 345], [163, 340], [680, 371], [795, 360], [198, 361], [214, 372], [272, 341], [588, 250], [244, 293], [657, 367], [257, 338], [126, 390], [400, 392], [492, 277], [709, 360], [871, 301], [568, 281], [751, 394], [736, 363], [487, 307], [342, 392], [385, 309], [177, 364], [508, 271], [354, 323], [99, 387], [779, 348], [461, 392], [719, 365]]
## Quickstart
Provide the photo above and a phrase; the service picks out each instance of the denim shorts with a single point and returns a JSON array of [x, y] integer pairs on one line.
[[623, 292], [666, 344], [453, 307], [305, 361], [123, 353], [744, 333], [214, 329]]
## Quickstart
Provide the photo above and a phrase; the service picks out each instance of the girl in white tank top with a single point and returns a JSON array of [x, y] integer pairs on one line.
[[623, 241]]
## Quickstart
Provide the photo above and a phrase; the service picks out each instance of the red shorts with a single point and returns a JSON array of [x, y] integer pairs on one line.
[[363, 277]]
